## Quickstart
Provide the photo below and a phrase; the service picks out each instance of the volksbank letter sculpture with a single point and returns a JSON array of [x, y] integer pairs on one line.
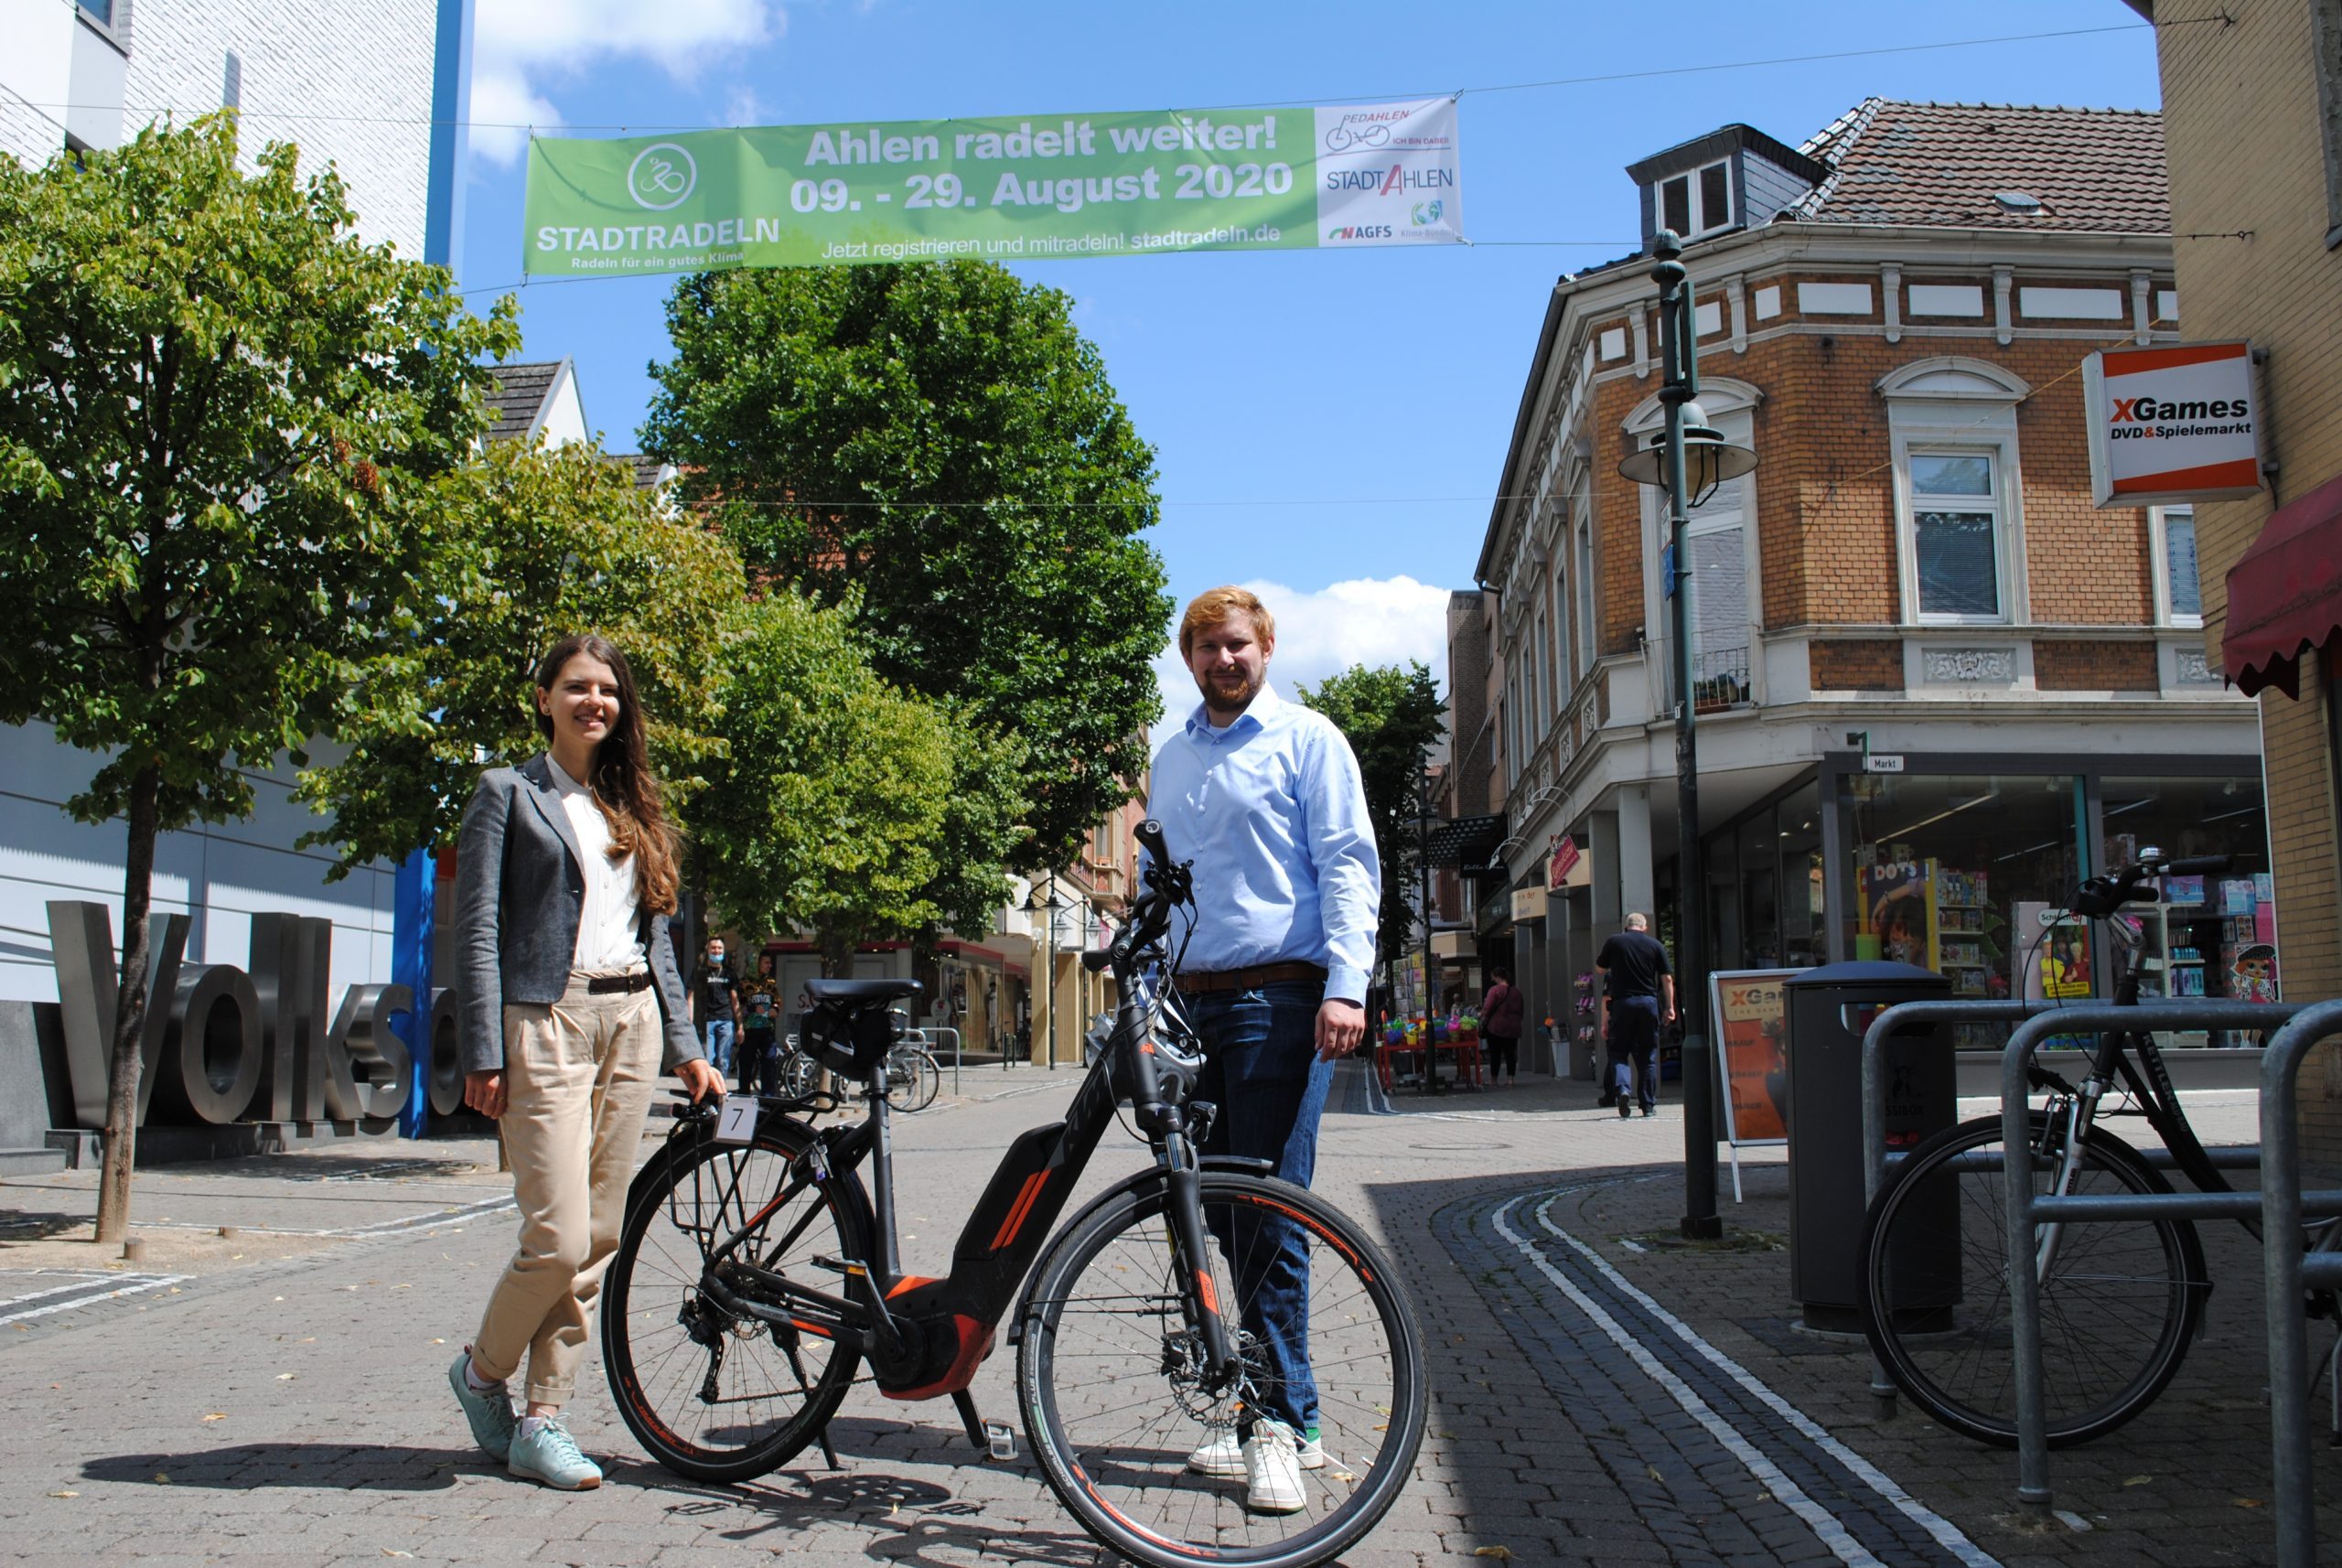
[[223, 1044], [1056, 185]]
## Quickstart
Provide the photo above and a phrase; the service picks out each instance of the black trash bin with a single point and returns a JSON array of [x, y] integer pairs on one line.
[[1828, 1010]]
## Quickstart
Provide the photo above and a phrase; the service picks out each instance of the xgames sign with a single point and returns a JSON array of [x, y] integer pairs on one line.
[[223, 1044], [2172, 424]]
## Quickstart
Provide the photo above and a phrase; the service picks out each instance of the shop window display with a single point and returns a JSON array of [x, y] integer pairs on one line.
[[1946, 869], [2208, 935]]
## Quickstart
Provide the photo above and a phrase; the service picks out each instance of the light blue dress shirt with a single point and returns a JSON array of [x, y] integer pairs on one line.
[[1272, 811]]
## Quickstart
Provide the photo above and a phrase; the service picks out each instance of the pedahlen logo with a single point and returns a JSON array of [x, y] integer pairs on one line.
[[662, 176]]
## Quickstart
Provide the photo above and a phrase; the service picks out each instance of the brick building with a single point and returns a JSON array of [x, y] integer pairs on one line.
[[2253, 112], [1894, 316]]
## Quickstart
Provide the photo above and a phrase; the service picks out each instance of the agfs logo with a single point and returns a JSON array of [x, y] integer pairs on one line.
[[1360, 231]]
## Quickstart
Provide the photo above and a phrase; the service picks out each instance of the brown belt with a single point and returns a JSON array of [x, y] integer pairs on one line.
[[603, 984], [1206, 982]]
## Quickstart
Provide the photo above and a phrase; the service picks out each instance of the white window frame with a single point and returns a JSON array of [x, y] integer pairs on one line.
[[1698, 220], [1564, 678], [2158, 518], [1587, 648], [1731, 406], [1959, 406], [1532, 626], [1994, 502]]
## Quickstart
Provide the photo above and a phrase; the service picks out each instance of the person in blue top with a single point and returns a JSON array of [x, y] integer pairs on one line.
[[1265, 796]]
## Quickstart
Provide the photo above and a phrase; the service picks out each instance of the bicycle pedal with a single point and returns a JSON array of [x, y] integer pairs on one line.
[[1000, 1441], [839, 1265]]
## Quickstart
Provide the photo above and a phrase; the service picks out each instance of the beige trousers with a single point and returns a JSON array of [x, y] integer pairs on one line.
[[578, 1075]]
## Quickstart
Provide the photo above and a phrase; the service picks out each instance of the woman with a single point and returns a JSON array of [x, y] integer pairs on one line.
[[1500, 1013], [566, 875]]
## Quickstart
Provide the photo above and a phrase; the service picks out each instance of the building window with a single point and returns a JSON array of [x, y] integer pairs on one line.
[[1955, 536], [2179, 593], [1711, 188], [1534, 656], [98, 11], [1586, 644], [1563, 680]]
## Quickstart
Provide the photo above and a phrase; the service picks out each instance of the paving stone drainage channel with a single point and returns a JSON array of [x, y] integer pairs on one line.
[[1720, 1467], [37, 1293]]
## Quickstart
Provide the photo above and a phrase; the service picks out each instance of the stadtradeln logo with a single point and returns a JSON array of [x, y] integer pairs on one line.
[[662, 176]]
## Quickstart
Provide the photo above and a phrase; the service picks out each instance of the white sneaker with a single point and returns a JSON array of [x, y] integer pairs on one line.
[[1272, 1469], [1222, 1456]]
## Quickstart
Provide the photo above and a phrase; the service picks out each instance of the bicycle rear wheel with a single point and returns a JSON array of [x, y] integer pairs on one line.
[[2118, 1308], [1106, 1377], [800, 1075], [912, 1078], [708, 1394]]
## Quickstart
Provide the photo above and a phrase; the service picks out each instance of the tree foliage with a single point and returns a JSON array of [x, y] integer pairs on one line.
[[1392, 718], [936, 449], [539, 544], [222, 415], [837, 806]]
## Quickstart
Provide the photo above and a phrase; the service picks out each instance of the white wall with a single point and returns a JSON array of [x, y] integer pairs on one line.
[[222, 875], [350, 83]]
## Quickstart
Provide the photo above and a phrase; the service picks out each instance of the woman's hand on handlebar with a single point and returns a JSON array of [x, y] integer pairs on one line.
[[701, 1077]]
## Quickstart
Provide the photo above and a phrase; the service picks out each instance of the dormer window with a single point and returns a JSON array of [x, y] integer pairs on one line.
[[1699, 202]]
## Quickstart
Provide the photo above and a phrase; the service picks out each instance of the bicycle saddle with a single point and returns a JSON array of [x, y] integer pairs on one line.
[[862, 992]]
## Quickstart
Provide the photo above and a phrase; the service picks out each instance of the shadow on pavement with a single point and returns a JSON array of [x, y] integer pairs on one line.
[[248, 1466]]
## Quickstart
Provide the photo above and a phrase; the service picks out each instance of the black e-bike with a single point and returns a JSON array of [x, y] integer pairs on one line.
[[754, 1278]]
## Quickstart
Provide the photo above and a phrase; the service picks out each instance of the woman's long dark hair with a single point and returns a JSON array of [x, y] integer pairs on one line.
[[622, 782]]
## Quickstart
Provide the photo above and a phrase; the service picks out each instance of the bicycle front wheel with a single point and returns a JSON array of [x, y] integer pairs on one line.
[[2119, 1303], [912, 1080], [1153, 1465], [709, 1394]]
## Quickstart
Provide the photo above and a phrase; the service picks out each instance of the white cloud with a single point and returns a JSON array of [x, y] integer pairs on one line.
[[520, 46], [1367, 620]]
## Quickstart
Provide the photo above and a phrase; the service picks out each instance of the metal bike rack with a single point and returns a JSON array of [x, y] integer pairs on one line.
[[2289, 1274], [947, 1030], [2026, 1210]]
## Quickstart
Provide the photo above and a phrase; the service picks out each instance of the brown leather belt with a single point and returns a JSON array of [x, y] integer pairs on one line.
[[606, 984], [1204, 984]]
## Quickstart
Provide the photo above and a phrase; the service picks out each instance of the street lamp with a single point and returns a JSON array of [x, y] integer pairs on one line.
[[1688, 458]]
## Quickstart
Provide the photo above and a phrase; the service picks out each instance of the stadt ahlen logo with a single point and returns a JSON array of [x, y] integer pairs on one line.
[[662, 176]]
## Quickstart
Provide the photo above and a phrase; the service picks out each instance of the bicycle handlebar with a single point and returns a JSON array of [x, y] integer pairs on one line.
[[2103, 895]]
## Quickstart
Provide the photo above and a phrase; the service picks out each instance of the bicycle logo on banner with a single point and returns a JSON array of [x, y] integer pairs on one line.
[[662, 176]]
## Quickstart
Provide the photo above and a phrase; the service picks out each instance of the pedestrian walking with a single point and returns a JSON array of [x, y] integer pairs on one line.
[[1640, 991], [1265, 796], [565, 870], [716, 1006], [1500, 1012], [759, 1002]]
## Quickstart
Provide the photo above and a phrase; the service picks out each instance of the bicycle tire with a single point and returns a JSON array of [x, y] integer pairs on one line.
[[912, 1080], [2119, 1308], [1098, 1382], [660, 1330]]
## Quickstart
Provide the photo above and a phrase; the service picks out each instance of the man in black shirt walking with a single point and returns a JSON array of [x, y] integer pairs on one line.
[[1641, 990]]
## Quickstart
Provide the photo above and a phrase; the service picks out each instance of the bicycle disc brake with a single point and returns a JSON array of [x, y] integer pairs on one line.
[[1184, 1366]]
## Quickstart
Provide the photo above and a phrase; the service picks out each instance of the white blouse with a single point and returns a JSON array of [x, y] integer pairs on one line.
[[608, 941]]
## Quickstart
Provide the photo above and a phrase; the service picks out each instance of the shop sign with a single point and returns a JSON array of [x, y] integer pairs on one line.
[[1527, 903], [1882, 762], [1563, 870], [1751, 1012], [2176, 423], [1052, 186]]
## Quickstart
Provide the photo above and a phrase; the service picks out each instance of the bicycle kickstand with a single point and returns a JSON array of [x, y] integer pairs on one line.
[[993, 1437], [828, 1449]]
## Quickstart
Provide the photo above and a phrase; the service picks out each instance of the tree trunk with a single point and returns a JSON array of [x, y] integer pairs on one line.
[[837, 956], [130, 1008]]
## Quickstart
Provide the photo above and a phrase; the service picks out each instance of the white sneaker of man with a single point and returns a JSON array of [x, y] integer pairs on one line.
[[1221, 1456], [1272, 1469]]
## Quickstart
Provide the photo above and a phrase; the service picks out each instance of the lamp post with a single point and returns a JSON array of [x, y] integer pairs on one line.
[[1688, 456]]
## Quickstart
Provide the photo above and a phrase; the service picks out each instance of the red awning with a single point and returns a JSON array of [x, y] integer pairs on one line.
[[2285, 594]]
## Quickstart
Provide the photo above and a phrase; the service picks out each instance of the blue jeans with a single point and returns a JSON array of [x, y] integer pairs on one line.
[[716, 1036], [1634, 1049], [1261, 1067]]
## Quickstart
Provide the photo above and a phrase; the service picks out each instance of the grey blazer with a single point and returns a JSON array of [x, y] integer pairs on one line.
[[519, 893]]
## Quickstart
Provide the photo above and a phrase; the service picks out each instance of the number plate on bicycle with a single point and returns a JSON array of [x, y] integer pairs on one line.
[[737, 1125]]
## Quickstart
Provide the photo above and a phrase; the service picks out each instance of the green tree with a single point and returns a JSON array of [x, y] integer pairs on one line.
[[936, 446], [538, 544], [220, 416], [1392, 718], [833, 809]]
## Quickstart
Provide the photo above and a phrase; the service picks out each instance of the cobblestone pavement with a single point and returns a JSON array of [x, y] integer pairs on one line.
[[1600, 1394]]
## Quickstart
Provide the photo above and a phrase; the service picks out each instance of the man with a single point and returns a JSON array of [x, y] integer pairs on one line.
[[716, 1006], [1641, 990], [1266, 799]]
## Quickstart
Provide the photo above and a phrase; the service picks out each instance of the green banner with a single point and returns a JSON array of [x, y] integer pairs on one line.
[[1090, 185]]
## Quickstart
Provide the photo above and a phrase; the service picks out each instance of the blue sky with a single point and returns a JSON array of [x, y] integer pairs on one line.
[[1330, 425]]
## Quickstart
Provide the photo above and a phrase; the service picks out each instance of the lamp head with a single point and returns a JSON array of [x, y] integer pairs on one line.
[[1708, 458]]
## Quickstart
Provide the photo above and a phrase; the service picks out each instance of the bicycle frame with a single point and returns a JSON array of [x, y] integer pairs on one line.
[[925, 1337]]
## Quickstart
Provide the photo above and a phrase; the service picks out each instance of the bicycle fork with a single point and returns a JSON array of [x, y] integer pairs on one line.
[[2065, 1130], [1192, 1246]]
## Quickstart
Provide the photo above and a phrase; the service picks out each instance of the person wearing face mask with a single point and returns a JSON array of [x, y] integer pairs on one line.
[[566, 875], [715, 1003]]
